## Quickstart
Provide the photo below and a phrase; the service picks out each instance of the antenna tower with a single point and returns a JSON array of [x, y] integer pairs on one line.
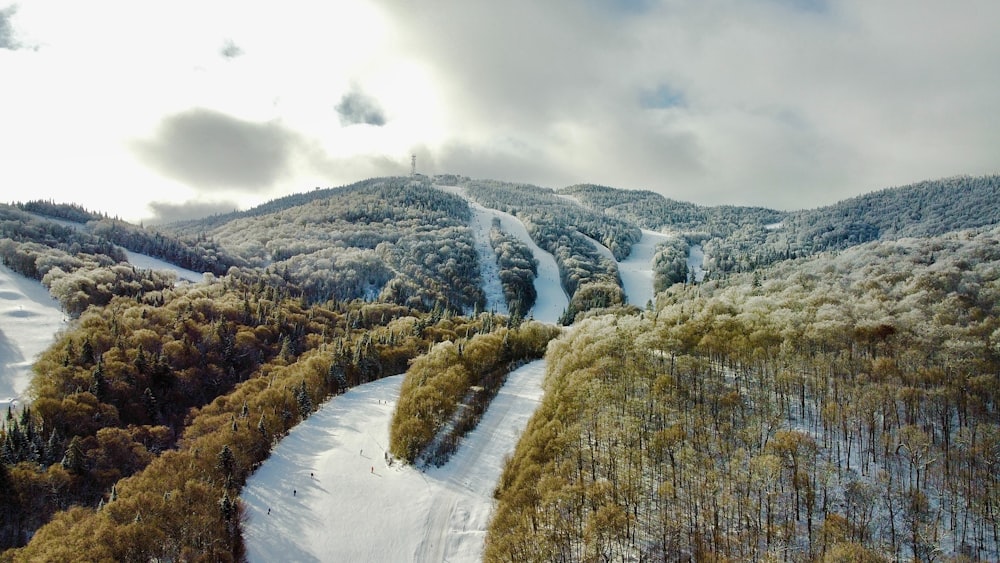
[[413, 165]]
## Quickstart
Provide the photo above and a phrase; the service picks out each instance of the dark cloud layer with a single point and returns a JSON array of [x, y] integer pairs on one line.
[[166, 212], [206, 149], [356, 107]]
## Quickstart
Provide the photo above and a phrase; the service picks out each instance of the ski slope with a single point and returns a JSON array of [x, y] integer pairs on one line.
[[29, 321], [636, 270], [552, 299], [327, 492]]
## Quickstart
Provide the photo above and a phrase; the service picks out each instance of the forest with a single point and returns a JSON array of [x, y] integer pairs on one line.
[[148, 407], [829, 393], [742, 239], [839, 408]]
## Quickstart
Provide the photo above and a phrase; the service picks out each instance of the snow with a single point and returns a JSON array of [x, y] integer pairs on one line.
[[149, 263], [328, 494], [695, 261], [139, 260], [29, 321], [551, 298], [636, 270], [489, 270]]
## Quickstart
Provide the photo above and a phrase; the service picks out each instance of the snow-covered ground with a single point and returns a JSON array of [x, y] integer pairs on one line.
[[636, 270], [149, 263], [29, 321], [695, 261], [489, 270], [139, 260], [328, 494]]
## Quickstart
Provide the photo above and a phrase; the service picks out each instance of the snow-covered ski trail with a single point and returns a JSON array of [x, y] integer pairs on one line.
[[552, 299], [349, 505], [458, 516], [636, 270], [29, 321]]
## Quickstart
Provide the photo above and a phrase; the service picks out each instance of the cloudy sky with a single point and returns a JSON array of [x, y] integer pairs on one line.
[[155, 111]]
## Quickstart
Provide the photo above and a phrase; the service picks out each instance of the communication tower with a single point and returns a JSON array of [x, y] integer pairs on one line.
[[413, 165]]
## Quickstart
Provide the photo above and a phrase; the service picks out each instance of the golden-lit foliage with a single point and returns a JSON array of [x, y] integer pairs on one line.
[[134, 408], [839, 409], [452, 385]]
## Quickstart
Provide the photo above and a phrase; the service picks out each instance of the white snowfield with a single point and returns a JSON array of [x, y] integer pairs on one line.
[[636, 270], [29, 321], [327, 492]]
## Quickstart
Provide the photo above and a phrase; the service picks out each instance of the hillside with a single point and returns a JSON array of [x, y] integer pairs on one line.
[[741, 239], [888, 295], [841, 407]]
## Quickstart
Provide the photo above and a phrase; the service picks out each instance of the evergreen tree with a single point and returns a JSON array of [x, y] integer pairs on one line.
[[98, 383], [75, 460], [302, 397], [53, 448], [227, 461]]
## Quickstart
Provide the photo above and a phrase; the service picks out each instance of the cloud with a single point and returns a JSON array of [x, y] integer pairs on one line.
[[167, 212], [356, 107], [210, 150], [335, 170], [230, 50], [502, 160], [8, 39], [790, 103]]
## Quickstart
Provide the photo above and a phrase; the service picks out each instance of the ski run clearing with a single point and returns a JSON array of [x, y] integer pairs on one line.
[[329, 492]]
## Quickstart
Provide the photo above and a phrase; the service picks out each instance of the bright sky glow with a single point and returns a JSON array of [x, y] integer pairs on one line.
[[132, 109]]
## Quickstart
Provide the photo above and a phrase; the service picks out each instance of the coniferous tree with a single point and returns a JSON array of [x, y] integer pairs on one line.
[[75, 460]]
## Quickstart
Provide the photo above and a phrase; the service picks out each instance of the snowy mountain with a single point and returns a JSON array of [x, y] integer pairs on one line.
[[175, 414]]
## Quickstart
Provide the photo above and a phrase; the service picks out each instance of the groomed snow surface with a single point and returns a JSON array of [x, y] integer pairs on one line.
[[327, 492], [29, 321]]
